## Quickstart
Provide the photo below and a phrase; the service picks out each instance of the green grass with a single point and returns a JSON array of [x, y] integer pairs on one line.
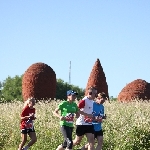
[[127, 126]]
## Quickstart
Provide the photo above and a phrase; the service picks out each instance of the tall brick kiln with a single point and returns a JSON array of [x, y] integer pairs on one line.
[[97, 78]]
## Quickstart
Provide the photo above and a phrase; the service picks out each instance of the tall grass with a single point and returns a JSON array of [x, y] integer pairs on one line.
[[127, 126]]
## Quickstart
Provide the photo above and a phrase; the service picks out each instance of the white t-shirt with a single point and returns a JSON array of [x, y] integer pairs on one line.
[[85, 105]]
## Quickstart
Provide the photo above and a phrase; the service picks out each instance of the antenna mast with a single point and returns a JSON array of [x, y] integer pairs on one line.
[[70, 73]]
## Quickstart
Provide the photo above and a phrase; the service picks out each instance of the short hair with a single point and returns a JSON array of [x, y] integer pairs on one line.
[[92, 88], [27, 101], [102, 95]]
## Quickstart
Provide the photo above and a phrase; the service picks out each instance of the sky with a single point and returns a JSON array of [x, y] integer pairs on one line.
[[56, 32]]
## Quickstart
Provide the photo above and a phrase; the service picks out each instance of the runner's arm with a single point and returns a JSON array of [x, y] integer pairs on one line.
[[104, 116], [82, 105], [77, 114], [55, 113], [85, 114], [25, 117]]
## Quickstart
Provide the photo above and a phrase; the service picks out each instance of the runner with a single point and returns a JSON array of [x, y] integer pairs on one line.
[[84, 124], [68, 109], [26, 124], [97, 122]]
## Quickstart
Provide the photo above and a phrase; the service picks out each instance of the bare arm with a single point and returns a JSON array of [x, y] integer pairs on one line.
[[85, 114], [82, 105], [25, 117], [77, 114], [55, 113]]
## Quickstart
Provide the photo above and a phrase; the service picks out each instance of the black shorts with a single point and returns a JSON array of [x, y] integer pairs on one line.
[[26, 131], [83, 129], [98, 133]]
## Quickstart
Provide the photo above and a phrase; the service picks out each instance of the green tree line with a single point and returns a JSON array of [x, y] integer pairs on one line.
[[11, 89]]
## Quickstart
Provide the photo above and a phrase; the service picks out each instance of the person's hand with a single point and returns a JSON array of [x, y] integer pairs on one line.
[[99, 119], [31, 115], [62, 118], [94, 118], [104, 117], [77, 115]]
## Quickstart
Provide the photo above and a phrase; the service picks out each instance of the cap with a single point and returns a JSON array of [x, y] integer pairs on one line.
[[71, 92]]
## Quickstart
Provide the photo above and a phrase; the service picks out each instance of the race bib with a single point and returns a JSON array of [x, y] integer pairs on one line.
[[69, 118], [29, 124], [87, 119]]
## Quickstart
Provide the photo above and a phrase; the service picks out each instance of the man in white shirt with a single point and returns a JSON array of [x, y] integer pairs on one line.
[[84, 124]]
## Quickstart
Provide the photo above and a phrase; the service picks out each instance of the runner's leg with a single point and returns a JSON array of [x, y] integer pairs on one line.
[[24, 140]]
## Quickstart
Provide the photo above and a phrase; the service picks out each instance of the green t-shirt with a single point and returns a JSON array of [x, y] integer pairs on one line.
[[67, 110]]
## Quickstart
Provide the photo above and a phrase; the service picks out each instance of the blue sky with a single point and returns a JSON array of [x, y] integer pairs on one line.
[[56, 32]]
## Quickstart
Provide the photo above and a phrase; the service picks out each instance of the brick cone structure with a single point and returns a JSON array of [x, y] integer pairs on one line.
[[39, 81], [97, 79], [136, 89]]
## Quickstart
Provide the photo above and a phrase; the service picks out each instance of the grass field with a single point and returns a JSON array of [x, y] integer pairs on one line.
[[127, 126]]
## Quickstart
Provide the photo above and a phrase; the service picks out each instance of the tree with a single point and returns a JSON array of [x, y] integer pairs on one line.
[[1, 85], [0, 90], [12, 88], [62, 88]]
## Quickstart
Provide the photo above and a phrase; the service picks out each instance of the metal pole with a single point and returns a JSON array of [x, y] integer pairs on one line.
[[70, 73]]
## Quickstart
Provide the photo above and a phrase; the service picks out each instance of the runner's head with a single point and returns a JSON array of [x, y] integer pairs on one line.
[[71, 95], [29, 102], [101, 98], [92, 92]]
